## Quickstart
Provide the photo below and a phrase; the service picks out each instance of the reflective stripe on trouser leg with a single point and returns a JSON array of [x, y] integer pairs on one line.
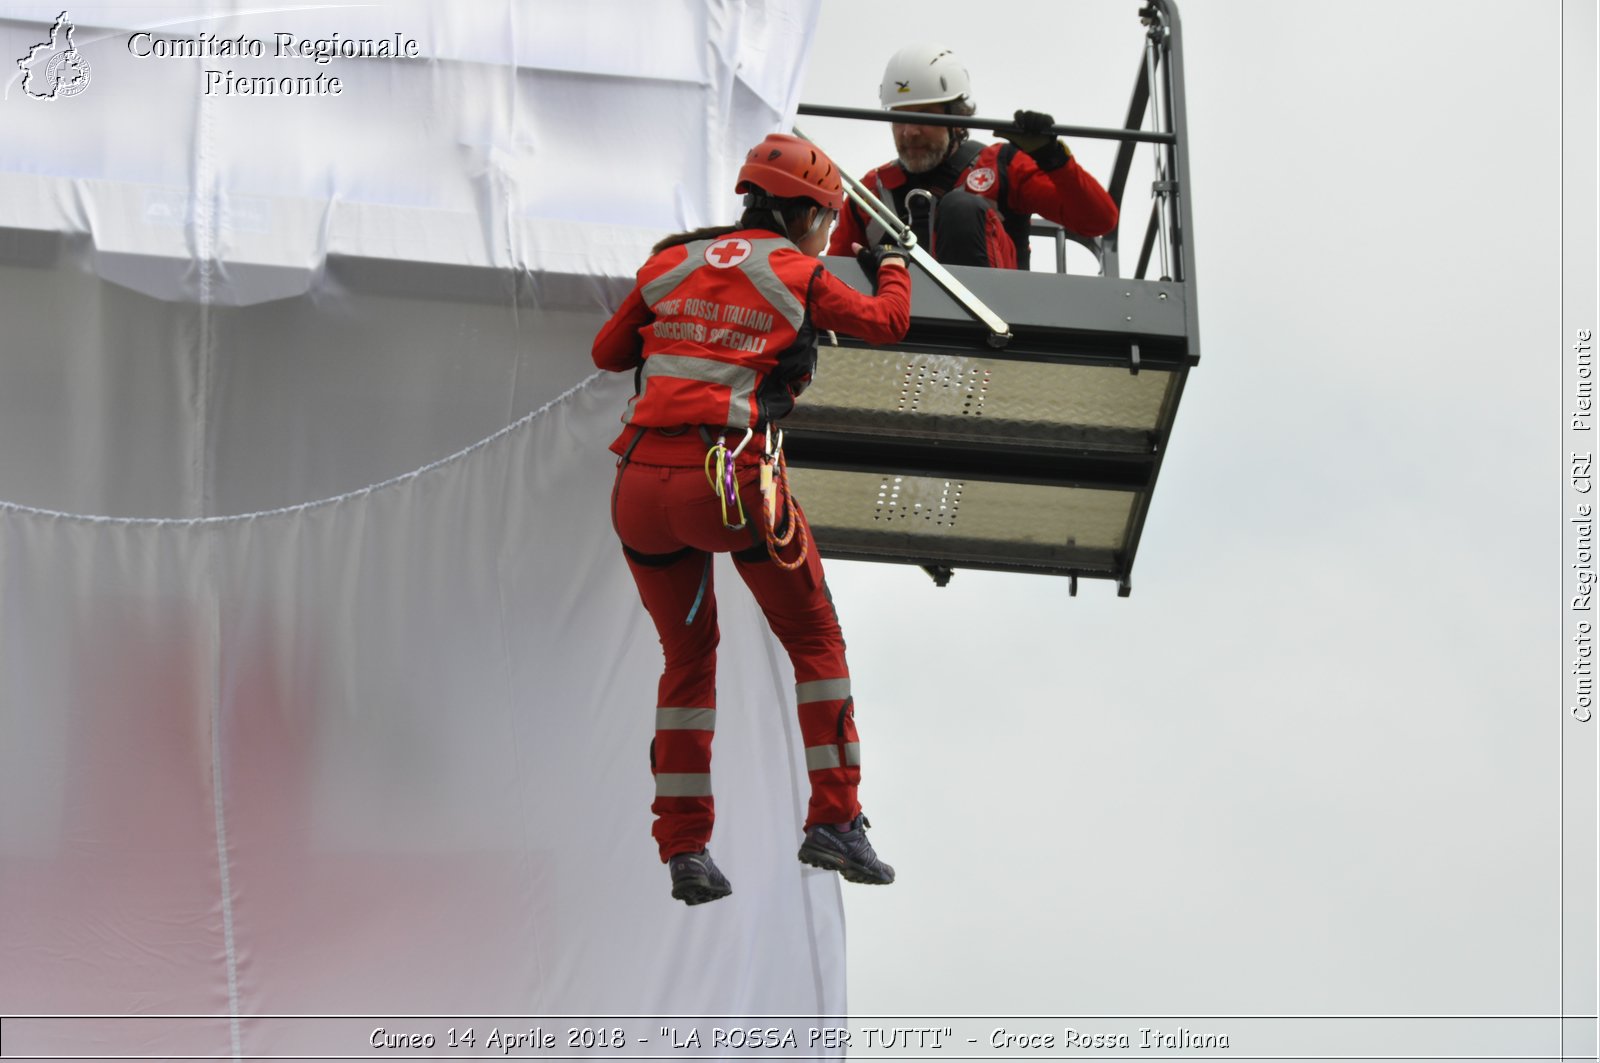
[[833, 753], [800, 613], [820, 757], [683, 752], [683, 805], [681, 761]]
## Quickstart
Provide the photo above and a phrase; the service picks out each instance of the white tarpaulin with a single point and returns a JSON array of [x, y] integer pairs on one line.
[[276, 742]]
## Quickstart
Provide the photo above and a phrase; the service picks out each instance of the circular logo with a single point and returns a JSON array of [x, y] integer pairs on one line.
[[67, 73], [725, 254], [981, 179]]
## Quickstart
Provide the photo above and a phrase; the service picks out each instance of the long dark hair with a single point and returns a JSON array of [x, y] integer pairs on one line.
[[758, 210]]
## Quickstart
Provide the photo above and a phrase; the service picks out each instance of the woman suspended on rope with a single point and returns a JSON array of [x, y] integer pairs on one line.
[[720, 330]]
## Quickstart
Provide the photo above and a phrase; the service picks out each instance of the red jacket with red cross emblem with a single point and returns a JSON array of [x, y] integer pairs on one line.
[[723, 333], [1049, 183]]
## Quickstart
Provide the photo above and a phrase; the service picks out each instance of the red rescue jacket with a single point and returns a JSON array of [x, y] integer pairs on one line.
[[723, 333], [1020, 185]]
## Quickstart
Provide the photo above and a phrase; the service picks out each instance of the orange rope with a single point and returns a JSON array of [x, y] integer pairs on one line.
[[775, 472]]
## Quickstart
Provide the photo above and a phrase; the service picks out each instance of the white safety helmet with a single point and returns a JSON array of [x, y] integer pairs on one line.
[[923, 73]]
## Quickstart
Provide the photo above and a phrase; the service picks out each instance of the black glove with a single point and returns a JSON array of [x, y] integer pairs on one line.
[[1033, 136], [870, 258]]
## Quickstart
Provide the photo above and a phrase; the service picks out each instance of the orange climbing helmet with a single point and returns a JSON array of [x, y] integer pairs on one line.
[[787, 167]]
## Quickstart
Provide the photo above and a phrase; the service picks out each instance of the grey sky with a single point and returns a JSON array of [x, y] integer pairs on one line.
[[1310, 765]]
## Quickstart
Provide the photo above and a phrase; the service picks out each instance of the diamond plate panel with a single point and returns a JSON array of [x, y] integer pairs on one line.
[[982, 399], [1041, 519]]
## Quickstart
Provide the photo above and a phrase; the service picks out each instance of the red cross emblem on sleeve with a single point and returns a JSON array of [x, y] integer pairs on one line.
[[980, 179], [724, 254]]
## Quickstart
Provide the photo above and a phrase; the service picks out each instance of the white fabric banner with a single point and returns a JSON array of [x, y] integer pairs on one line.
[[217, 303], [383, 754], [275, 742]]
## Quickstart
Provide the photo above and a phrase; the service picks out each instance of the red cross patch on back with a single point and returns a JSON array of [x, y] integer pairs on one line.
[[725, 254]]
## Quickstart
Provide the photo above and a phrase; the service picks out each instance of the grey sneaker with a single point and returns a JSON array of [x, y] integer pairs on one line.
[[847, 852], [695, 879]]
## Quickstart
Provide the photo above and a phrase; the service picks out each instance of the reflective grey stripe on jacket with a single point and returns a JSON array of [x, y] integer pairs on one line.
[[683, 784], [758, 267], [740, 380], [659, 288], [819, 758], [822, 690]]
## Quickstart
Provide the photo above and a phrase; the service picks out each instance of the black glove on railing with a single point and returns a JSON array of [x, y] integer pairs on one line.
[[1033, 136]]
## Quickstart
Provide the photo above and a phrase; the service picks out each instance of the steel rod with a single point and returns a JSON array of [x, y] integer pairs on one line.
[[1161, 163], [973, 122]]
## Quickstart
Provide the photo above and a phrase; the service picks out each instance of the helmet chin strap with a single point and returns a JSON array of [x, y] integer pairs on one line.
[[816, 222], [779, 225]]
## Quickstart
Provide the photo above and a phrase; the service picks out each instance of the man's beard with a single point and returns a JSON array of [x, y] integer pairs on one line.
[[921, 160]]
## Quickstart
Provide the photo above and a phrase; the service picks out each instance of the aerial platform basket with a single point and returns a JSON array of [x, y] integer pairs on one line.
[[1033, 449]]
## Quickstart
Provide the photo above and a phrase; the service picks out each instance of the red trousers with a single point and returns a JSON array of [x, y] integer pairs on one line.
[[670, 523]]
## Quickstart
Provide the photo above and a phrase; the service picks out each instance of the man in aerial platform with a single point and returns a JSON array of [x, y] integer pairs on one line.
[[983, 195]]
